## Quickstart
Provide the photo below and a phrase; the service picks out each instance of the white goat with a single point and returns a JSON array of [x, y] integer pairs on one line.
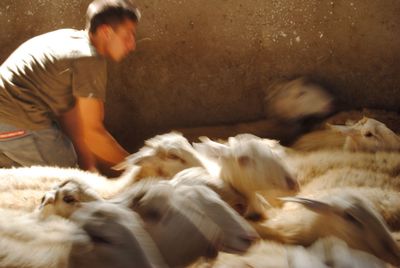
[[385, 201], [169, 153], [366, 135], [200, 176], [162, 156], [292, 100], [65, 198], [101, 234], [252, 168], [342, 213], [187, 211], [389, 118], [22, 188], [195, 210], [27, 242], [118, 239]]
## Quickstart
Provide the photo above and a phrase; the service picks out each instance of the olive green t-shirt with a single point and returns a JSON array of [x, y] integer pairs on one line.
[[42, 77]]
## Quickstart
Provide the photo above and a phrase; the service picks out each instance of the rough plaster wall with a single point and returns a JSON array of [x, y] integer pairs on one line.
[[205, 61]]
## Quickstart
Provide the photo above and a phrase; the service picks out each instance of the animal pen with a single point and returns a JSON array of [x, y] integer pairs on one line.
[[267, 128]]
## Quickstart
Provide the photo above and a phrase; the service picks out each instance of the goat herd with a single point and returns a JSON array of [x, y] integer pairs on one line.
[[329, 199]]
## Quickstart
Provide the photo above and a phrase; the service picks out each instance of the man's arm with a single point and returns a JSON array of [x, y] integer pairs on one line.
[[72, 126], [89, 113], [97, 138]]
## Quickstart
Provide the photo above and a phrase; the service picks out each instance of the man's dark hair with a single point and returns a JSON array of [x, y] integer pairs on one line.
[[110, 12]]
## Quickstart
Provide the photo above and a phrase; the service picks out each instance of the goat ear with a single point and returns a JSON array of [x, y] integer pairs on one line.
[[48, 198], [346, 130], [62, 184], [311, 204], [210, 148], [120, 166], [292, 183], [91, 195], [132, 196], [338, 128], [350, 122], [135, 158]]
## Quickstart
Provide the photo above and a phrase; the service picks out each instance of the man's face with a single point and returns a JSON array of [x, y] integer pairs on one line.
[[121, 40]]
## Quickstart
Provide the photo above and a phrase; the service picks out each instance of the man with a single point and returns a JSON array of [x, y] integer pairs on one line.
[[54, 84]]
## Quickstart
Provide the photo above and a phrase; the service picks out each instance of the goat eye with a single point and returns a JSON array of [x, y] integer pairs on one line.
[[69, 199], [368, 134], [300, 94], [173, 157], [386, 245], [99, 214], [136, 200], [152, 215], [292, 184], [244, 160], [350, 218]]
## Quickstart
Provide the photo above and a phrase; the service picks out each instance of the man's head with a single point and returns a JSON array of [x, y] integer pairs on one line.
[[112, 27]]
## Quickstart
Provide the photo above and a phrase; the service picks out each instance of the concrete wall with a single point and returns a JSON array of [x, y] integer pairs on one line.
[[206, 61]]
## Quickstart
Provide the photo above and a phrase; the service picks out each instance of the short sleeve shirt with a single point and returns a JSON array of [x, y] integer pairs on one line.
[[42, 78]]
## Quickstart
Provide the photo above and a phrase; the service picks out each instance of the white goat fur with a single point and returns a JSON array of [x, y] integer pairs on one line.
[[22, 188], [328, 169], [66, 198], [200, 176], [376, 174], [169, 153], [385, 201], [389, 118], [28, 241], [325, 252], [354, 177], [339, 212], [251, 168], [194, 211], [366, 135], [162, 156], [320, 170], [128, 243], [307, 166]]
